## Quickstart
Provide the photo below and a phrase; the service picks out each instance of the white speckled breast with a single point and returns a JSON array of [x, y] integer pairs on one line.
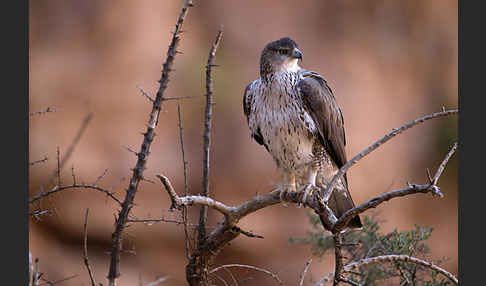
[[278, 114]]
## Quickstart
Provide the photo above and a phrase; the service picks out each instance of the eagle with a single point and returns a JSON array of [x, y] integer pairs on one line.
[[292, 112]]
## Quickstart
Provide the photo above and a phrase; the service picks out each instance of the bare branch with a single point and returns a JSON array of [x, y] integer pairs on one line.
[[149, 135], [184, 163], [274, 276], [47, 110], [85, 250], [74, 186], [158, 281], [404, 258], [411, 189], [179, 202], [51, 283], [155, 220], [302, 275], [443, 164], [247, 233], [100, 177], [177, 98], [38, 161], [70, 150], [145, 94], [395, 131], [207, 135]]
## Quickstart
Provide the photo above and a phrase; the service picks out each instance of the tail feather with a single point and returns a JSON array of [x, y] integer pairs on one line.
[[339, 203]]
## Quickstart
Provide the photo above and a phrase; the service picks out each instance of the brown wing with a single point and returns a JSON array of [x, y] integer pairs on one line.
[[320, 102], [324, 110], [247, 100]]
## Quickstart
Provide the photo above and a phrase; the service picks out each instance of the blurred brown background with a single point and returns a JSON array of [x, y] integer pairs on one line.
[[388, 62]]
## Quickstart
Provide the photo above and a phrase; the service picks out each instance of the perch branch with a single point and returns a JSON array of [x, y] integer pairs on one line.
[[411, 189], [348, 215], [395, 131]]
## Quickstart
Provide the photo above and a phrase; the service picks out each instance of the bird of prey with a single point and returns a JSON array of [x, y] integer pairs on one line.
[[292, 112]]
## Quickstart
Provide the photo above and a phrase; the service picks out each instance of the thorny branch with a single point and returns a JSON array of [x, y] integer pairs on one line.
[[207, 135], [149, 135], [395, 131]]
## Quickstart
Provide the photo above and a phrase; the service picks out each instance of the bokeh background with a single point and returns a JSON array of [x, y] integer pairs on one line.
[[388, 62]]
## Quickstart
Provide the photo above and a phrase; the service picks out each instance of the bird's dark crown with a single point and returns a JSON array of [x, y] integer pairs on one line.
[[283, 43]]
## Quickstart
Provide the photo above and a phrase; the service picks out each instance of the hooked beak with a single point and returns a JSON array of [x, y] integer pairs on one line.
[[297, 54]]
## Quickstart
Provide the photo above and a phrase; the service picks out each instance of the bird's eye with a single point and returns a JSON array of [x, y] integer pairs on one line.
[[282, 51]]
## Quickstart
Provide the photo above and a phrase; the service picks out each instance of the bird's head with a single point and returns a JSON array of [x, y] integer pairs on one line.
[[280, 55]]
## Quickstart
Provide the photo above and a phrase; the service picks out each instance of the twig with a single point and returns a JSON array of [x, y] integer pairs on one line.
[[145, 94], [158, 281], [403, 258], [70, 150], [38, 161], [47, 110], [114, 271], [58, 170], [184, 163], [324, 279], [177, 98], [274, 276], [100, 177], [395, 131], [155, 220], [220, 279], [36, 275], [443, 164], [411, 189], [85, 249], [302, 275], [207, 135], [50, 283], [73, 186], [247, 233]]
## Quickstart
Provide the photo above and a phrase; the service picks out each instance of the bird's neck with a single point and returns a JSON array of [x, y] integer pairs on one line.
[[291, 66]]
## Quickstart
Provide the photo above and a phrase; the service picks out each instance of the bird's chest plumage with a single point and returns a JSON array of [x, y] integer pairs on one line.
[[278, 114]]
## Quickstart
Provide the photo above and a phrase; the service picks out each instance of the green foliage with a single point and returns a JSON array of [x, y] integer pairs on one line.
[[369, 242]]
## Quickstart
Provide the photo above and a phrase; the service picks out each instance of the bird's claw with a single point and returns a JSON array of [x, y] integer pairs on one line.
[[308, 190], [284, 189]]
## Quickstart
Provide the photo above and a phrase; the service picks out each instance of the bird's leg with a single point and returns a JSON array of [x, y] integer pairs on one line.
[[287, 184], [310, 183]]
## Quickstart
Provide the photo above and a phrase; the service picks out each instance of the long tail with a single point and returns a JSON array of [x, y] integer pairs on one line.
[[340, 202]]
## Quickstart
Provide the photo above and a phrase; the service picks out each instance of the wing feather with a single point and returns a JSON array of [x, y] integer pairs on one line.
[[322, 106], [247, 100]]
